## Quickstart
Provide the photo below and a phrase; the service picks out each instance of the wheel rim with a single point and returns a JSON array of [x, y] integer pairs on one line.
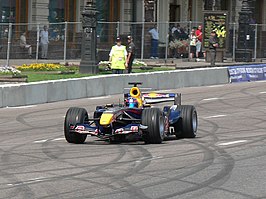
[[161, 126], [194, 122]]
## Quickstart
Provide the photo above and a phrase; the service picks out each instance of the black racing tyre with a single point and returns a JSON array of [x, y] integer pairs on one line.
[[153, 118], [74, 116], [187, 126]]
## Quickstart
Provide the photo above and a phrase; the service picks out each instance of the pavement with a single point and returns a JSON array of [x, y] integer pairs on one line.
[[170, 62], [226, 159]]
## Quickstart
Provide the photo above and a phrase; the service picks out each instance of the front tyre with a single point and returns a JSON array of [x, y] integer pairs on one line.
[[75, 116], [188, 125], [154, 119]]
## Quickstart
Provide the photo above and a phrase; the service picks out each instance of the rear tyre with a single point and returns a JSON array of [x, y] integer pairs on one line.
[[187, 126], [153, 118], [74, 116]]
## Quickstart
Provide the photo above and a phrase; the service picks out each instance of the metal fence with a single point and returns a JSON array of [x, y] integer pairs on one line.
[[65, 40]]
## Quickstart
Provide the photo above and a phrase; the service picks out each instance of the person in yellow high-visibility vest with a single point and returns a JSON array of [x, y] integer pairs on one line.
[[118, 57]]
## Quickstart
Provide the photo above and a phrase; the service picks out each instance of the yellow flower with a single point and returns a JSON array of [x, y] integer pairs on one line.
[[40, 67]]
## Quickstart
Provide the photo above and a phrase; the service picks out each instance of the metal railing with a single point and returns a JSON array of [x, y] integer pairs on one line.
[[65, 40]]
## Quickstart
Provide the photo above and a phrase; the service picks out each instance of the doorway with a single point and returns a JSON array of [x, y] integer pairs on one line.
[[174, 13]]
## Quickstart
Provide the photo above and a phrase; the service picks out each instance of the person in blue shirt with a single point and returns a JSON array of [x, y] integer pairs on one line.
[[154, 42]]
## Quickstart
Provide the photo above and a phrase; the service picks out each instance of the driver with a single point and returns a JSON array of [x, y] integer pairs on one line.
[[132, 103]]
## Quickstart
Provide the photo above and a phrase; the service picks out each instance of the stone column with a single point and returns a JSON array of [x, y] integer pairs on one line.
[[163, 16], [89, 39], [40, 11], [184, 11]]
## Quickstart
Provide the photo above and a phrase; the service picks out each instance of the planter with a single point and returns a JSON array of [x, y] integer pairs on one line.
[[10, 78]]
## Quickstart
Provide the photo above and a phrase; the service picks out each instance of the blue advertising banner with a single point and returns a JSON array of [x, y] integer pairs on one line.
[[245, 73]]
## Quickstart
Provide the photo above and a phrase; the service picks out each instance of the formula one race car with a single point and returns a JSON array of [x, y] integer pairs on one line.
[[117, 122]]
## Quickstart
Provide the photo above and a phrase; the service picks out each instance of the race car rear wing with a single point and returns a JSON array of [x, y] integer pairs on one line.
[[153, 98]]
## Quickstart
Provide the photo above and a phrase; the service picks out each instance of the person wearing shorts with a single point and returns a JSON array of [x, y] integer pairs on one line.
[[192, 44], [199, 42]]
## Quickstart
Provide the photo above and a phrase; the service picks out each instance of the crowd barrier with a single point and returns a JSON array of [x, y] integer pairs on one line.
[[65, 40], [246, 73], [59, 90]]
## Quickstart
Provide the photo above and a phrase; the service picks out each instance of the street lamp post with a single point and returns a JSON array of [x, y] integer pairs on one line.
[[245, 30], [88, 62]]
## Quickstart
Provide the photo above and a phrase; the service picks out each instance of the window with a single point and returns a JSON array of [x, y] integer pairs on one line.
[[109, 11], [56, 11], [150, 11], [62, 10], [59, 12], [14, 11]]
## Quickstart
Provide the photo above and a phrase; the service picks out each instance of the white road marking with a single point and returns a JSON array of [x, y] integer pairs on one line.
[[21, 107], [214, 116], [102, 97], [30, 181], [233, 142], [264, 92], [40, 141], [215, 86], [58, 139], [210, 99]]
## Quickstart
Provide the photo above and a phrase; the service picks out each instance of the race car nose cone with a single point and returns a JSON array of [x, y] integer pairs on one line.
[[106, 119]]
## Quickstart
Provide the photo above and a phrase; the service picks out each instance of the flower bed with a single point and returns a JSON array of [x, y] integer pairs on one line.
[[41, 67], [8, 70]]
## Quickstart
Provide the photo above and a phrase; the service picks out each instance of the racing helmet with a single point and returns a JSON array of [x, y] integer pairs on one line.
[[133, 103]]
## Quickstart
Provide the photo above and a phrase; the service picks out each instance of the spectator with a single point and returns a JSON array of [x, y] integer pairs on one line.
[[44, 35], [193, 40], [176, 31], [130, 53], [199, 42], [213, 44], [154, 42], [5, 34], [174, 28], [23, 44], [183, 34], [118, 57]]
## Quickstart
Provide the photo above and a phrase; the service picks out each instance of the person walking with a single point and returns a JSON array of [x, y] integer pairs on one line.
[[23, 44], [130, 53], [193, 40], [44, 35], [213, 44], [154, 42], [118, 57]]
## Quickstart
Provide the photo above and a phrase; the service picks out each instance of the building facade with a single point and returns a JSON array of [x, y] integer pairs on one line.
[[126, 12], [54, 11]]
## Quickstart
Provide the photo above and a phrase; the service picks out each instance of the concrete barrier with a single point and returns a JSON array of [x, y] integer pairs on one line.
[[76, 87], [1, 97], [59, 90], [95, 87], [14, 95], [36, 93]]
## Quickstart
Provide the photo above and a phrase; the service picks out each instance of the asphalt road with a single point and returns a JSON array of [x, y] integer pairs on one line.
[[227, 159]]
